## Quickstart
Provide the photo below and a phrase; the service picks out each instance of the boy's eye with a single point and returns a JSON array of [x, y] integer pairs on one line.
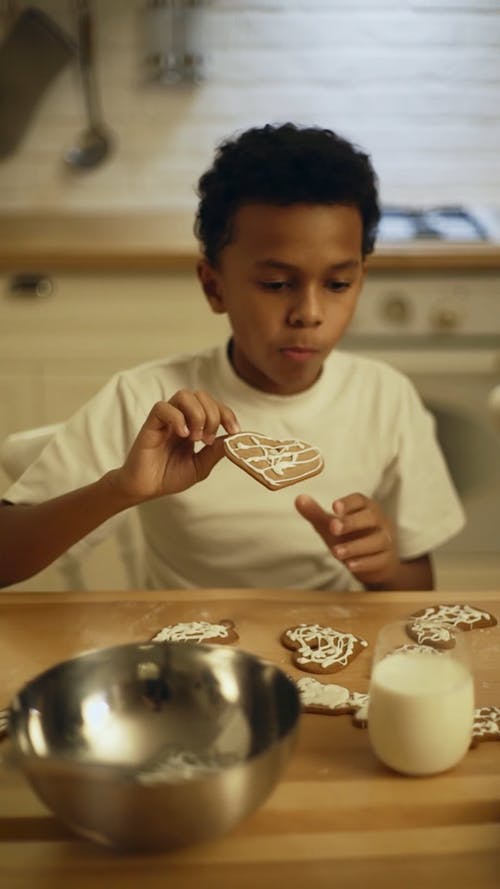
[[338, 286], [274, 285], [335, 286]]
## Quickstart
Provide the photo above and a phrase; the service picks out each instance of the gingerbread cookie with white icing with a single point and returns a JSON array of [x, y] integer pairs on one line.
[[486, 726], [275, 464], [223, 632], [414, 647], [4, 723], [437, 624], [360, 716], [335, 700], [320, 649]]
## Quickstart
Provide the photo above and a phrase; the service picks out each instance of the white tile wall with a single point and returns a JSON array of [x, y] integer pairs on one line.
[[415, 82]]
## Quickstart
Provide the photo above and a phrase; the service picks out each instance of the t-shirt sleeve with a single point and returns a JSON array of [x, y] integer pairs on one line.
[[94, 440], [417, 490]]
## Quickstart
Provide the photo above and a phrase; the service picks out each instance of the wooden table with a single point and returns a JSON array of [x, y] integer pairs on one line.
[[337, 819]]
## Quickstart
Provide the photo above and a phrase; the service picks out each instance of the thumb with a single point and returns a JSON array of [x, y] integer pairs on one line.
[[316, 515], [208, 456]]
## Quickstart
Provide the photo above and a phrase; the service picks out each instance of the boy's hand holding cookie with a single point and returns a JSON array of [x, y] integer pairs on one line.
[[163, 459], [358, 534]]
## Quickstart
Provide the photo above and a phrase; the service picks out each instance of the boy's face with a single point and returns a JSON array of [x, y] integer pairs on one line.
[[289, 281]]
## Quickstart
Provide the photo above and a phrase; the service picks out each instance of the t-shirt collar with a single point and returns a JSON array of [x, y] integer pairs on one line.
[[237, 388]]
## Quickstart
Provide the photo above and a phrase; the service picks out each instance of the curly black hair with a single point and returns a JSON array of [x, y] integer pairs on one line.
[[283, 165]]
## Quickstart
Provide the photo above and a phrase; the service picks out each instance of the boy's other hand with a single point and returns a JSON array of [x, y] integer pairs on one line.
[[358, 534], [163, 459]]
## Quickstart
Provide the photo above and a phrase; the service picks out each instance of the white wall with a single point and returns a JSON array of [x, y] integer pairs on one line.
[[415, 82]]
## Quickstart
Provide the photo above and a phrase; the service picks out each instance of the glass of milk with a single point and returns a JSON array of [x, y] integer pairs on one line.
[[421, 703]]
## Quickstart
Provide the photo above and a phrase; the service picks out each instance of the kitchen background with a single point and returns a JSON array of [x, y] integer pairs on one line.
[[96, 265], [415, 82]]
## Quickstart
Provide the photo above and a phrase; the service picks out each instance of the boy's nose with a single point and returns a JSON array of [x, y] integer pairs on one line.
[[307, 309]]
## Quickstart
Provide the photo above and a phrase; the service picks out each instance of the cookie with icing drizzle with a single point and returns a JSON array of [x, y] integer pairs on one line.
[[4, 723], [360, 716], [437, 624], [486, 726], [198, 631], [414, 648], [318, 649], [322, 697], [275, 464]]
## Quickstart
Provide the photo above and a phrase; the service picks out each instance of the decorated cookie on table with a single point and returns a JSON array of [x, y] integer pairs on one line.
[[319, 649], [198, 631], [486, 725], [335, 700], [4, 722], [327, 698], [274, 463], [414, 648], [437, 624]]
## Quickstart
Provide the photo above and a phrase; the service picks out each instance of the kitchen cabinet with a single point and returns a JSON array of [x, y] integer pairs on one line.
[[19, 404], [57, 350]]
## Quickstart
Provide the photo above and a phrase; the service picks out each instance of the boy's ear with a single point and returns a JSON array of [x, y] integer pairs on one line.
[[209, 279]]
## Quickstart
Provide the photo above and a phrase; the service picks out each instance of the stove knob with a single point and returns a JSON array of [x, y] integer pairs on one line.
[[445, 319], [396, 309]]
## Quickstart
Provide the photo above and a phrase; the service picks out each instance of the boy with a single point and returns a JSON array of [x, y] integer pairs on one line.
[[286, 219]]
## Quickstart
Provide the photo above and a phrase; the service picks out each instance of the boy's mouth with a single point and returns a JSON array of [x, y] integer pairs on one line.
[[298, 353]]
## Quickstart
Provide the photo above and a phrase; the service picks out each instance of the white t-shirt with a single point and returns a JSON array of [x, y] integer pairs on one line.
[[230, 531]]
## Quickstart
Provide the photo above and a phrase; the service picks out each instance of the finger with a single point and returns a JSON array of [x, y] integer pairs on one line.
[[216, 414], [192, 410], [207, 457], [212, 415], [350, 503], [362, 520], [371, 544], [201, 412], [228, 419], [165, 414], [316, 515], [368, 566]]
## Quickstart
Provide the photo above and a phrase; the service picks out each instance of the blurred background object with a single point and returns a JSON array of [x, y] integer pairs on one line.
[[173, 38], [33, 52], [95, 142]]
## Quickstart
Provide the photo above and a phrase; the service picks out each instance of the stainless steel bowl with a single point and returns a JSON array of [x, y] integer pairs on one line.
[[157, 745]]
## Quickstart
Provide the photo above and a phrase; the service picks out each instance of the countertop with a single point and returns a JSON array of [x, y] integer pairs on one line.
[[155, 242], [337, 818]]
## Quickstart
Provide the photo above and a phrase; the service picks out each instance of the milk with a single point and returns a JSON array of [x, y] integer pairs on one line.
[[420, 712]]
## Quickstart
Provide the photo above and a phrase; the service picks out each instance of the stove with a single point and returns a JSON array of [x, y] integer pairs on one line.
[[442, 223]]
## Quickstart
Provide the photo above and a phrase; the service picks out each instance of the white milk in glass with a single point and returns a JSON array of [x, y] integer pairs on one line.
[[421, 711]]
